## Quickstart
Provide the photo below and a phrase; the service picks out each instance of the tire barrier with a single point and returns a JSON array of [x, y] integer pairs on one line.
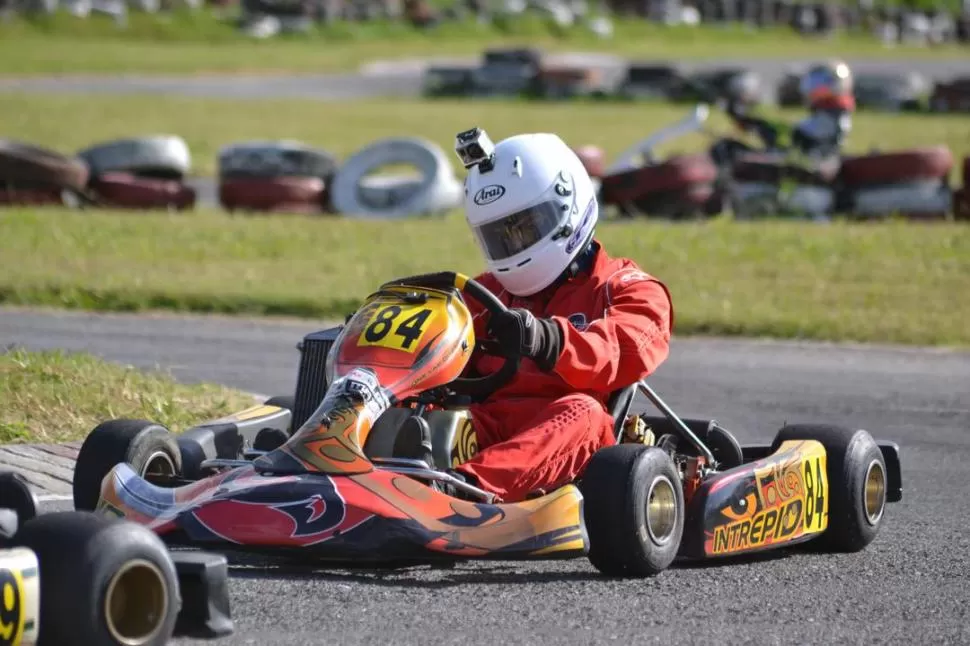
[[306, 195], [34, 172], [438, 190], [934, 162], [275, 176], [291, 176], [271, 159], [128, 191], [679, 187], [922, 200], [161, 156], [21, 196], [673, 174]]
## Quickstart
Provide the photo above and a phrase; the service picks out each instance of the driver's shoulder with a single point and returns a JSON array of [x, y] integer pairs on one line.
[[622, 274]]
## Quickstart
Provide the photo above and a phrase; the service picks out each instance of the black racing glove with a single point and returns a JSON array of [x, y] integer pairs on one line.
[[518, 331]]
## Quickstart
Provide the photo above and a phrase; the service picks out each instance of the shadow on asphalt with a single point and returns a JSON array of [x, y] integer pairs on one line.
[[418, 576], [245, 566]]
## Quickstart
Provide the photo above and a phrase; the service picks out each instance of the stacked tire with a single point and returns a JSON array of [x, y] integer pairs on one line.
[[275, 176], [911, 183], [141, 173], [35, 176], [680, 187], [360, 193]]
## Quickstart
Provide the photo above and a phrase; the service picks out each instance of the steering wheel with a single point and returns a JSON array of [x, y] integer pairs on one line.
[[478, 388]]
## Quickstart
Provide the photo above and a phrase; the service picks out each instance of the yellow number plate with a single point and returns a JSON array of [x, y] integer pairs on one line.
[[19, 597], [398, 326], [816, 483]]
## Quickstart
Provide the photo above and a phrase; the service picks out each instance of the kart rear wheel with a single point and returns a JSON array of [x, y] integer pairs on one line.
[[634, 510], [148, 448], [103, 581], [857, 484]]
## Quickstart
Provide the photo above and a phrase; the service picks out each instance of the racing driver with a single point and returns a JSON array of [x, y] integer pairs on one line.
[[585, 323]]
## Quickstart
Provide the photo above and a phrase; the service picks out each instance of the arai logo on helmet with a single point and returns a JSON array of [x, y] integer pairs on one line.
[[488, 194]]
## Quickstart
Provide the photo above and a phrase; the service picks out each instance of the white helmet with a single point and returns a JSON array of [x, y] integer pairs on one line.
[[530, 203]]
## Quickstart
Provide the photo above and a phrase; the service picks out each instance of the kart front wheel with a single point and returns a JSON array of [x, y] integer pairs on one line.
[[634, 510], [149, 449], [857, 479], [102, 581]]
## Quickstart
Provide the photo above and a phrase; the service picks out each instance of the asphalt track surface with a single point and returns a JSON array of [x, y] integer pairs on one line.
[[910, 586], [403, 79]]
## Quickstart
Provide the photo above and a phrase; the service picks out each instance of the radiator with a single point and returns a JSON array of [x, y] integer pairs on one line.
[[311, 380]]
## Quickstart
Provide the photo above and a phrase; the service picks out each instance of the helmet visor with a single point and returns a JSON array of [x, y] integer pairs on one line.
[[515, 233]]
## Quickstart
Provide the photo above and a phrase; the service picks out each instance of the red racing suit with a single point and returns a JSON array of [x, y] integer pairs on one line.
[[539, 431]]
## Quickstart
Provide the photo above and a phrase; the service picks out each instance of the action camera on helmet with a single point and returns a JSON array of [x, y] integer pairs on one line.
[[474, 148]]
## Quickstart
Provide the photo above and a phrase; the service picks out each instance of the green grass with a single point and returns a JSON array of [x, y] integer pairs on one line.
[[186, 43], [888, 282], [68, 123], [54, 396]]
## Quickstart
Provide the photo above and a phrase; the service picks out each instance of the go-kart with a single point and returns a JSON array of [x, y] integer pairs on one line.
[[77, 578], [363, 476]]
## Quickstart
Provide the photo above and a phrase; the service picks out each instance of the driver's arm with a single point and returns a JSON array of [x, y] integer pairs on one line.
[[627, 344]]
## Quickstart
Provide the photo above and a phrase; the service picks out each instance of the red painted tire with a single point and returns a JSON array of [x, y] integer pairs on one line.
[[127, 191], [288, 194], [593, 158], [673, 174], [934, 162], [689, 202], [30, 197]]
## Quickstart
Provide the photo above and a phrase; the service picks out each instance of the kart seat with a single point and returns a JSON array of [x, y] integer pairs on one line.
[[450, 436]]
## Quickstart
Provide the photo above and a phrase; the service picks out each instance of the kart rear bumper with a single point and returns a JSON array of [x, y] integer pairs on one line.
[[890, 453]]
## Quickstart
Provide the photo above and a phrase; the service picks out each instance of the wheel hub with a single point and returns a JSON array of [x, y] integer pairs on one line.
[[158, 464], [874, 492], [661, 514], [136, 603]]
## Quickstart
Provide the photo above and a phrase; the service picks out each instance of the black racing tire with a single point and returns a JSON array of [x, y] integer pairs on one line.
[[148, 448], [857, 484], [619, 484], [16, 494], [103, 580]]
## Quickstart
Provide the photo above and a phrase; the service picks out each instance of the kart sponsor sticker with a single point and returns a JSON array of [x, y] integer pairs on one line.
[[489, 194], [465, 445], [362, 383], [578, 321], [582, 229], [775, 504]]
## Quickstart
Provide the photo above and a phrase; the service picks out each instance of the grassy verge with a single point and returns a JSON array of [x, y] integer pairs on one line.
[[187, 43], [890, 282], [57, 397], [68, 123]]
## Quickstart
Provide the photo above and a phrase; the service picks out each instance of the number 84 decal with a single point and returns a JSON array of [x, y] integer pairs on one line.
[[398, 327]]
